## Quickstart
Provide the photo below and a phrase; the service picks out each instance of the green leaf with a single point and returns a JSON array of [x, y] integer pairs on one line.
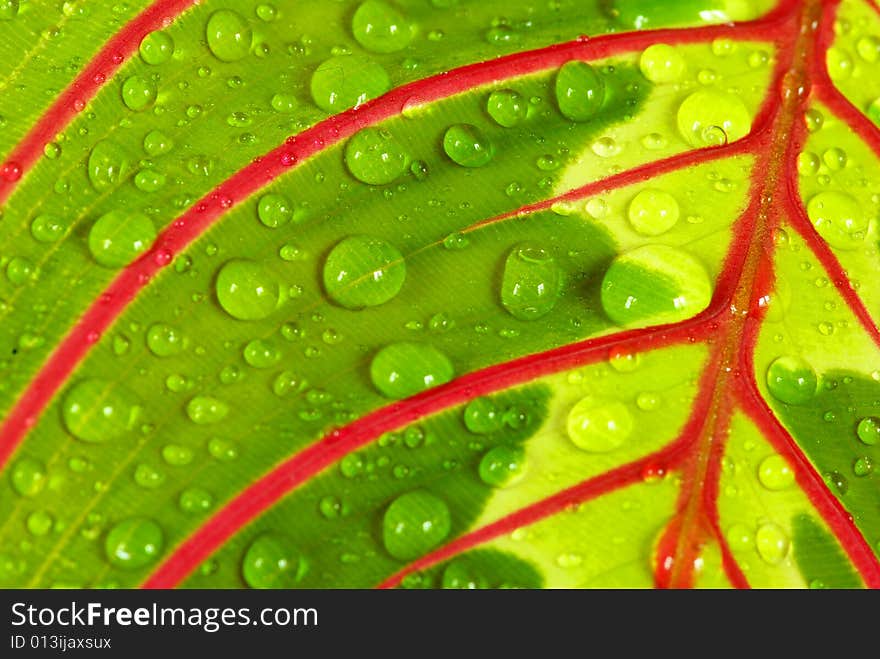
[[428, 293]]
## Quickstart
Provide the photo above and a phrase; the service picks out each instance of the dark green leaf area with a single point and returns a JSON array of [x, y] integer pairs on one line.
[[819, 557], [839, 430], [347, 524], [477, 569]]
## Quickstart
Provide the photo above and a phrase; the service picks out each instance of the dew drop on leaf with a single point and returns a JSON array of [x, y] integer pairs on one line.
[[655, 284], [404, 369], [772, 543], [8, 9], [261, 353], [46, 228], [482, 417], [246, 290], [868, 430], [39, 523], [467, 145], [459, 575], [117, 238], [531, 282], [380, 27], [661, 63], [148, 477], [774, 473], [229, 36], [28, 477], [107, 165], [223, 450], [839, 63], [374, 156], [502, 466], [274, 210], [653, 212], [791, 380], [138, 93], [507, 107], [97, 411], [271, 562], [415, 523], [156, 48], [599, 426], [164, 340], [177, 455], [205, 410], [839, 219], [195, 500], [580, 91], [156, 143], [710, 117], [134, 543], [863, 466], [347, 81], [363, 271]]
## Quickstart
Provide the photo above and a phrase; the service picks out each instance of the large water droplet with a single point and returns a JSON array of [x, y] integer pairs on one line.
[[274, 210], [711, 117], [107, 165], [229, 35], [482, 417], [363, 271], [134, 543], [507, 107], [775, 473], [652, 212], [531, 282], [261, 353], [380, 27], [156, 48], [838, 219], [164, 340], [246, 290], [271, 562], [401, 370], [661, 63], [415, 523], [347, 81], [205, 410], [868, 430], [580, 91], [467, 145], [96, 410], [655, 284], [46, 228], [138, 93], [772, 543], [375, 156], [792, 380], [598, 425], [502, 466], [119, 237]]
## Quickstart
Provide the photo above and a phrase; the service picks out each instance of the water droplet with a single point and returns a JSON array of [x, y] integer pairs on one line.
[[655, 284], [507, 107], [775, 473], [710, 117], [415, 523], [661, 63], [580, 91], [838, 219], [119, 237], [868, 430], [835, 159], [149, 180], [138, 93], [271, 562], [163, 340], [134, 543], [177, 455], [460, 575], [39, 523], [195, 500], [374, 156], [531, 282], [148, 477], [156, 143], [863, 466], [772, 543], [284, 103], [839, 63], [808, 164], [598, 425], [837, 481], [362, 271], [791, 380], [467, 145], [653, 212], [223, 450], [503, 466], [261, 353], [8, 9], [381, 28], [401, 370], [868, 48], [274, 210], [47, 228], [206, 409], [814, 120], [347, 81], [107, 165], [156, 48], [229, 36], [246, 290], [481, 416], [98, 410], [28, 477]]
